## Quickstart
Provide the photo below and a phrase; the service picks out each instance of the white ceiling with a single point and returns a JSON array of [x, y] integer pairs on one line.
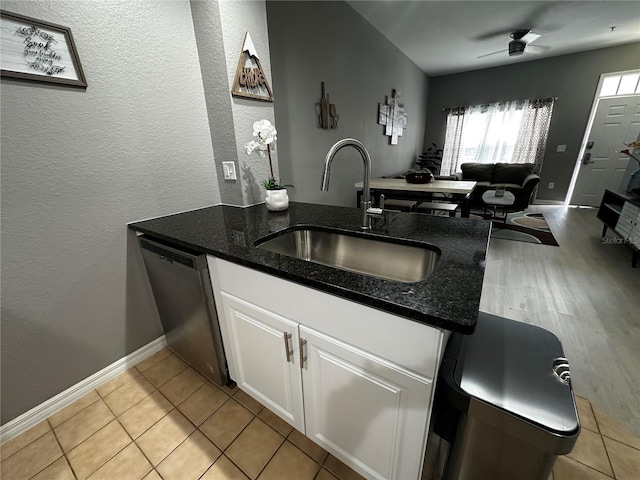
[[444, 37]]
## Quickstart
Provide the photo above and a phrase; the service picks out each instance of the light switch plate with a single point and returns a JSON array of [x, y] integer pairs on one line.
[[561, 148], [229, 169]]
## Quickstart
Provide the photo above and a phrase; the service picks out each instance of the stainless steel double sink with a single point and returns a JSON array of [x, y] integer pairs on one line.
[[356, 252]]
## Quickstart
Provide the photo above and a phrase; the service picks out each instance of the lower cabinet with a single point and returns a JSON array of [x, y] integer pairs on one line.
[[262, 348], [371, 413], [628, 224], [365, 411], [621, 213]]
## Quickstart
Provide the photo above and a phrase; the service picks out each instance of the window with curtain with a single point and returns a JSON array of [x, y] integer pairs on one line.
[[507, 132]]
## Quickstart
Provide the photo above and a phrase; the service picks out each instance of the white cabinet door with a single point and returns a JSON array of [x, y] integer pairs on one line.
[[264, 347], [634, 236], [371, 414], [628, 220]]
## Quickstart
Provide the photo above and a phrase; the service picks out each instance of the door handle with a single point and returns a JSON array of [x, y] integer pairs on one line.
[[303, 356], [585, 159], [289, 351]]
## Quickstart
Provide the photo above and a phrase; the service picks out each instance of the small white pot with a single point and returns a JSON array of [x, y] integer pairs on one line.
[[277, 200]]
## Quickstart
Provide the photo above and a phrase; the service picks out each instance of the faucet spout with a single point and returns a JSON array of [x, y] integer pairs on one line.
[[367, 211], [325, 177]]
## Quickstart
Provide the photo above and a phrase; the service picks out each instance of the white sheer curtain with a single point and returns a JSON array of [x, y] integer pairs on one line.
[[452, 141], [507, 132], [533, 134]]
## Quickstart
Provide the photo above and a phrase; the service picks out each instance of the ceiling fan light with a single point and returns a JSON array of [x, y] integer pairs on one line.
[[516, 47]]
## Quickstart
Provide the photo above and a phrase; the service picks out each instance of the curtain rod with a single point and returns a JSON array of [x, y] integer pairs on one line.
[[448, 109]]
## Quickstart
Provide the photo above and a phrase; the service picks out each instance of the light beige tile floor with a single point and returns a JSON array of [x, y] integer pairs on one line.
[[162, 421]]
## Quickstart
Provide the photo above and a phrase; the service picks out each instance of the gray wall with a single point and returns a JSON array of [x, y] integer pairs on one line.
[[571, 78], [312, 42], [77, 165], [220, 29]]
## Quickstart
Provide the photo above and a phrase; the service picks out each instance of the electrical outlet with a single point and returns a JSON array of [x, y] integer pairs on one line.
[[552, 185], [561, 148], [229, 169]]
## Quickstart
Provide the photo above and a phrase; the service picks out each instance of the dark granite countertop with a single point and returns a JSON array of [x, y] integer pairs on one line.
[[449, 298]]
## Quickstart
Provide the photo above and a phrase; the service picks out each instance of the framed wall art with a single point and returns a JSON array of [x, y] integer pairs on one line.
[[39, 51], [250, 80], [393, 116]]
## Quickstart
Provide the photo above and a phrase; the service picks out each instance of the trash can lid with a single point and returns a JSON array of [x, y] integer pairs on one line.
[[510, 365]]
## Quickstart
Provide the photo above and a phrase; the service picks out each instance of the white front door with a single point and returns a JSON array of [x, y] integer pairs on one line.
[[617, 121]]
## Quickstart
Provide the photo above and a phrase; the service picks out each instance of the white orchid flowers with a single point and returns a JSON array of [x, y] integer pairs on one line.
[[266, 134]]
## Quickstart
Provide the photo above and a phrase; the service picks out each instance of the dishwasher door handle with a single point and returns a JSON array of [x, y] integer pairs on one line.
[[173, 255]]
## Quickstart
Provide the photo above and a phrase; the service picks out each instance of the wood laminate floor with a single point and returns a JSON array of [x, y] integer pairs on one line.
[[585, 292]]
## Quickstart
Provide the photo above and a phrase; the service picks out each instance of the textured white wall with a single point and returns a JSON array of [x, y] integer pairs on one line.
[[76, 167], [217, 92], [220, 28], [239, 17]]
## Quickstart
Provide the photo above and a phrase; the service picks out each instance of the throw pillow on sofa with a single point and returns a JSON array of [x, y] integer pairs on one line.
[[511, 172]]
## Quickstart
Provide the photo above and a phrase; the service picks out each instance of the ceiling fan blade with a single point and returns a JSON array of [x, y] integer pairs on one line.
[[493, 34], [537, 16], [536, 48], [530, 37], [493, 53], [539, 13]]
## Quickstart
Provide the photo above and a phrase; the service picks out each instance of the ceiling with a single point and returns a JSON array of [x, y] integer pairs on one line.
[[444, 37]]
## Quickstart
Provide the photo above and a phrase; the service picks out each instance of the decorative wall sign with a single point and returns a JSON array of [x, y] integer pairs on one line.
[[326, 109], [250, 80], [393, 116], [37, 50]]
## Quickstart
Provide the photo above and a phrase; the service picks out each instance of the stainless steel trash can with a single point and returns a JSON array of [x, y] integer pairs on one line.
[[504, 403]]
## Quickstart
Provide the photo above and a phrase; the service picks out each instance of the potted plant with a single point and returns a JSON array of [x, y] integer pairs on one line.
[[276, 197], [431, 159], [634, 182]]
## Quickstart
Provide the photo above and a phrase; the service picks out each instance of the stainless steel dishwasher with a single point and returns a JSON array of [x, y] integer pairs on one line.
[[182, 289]]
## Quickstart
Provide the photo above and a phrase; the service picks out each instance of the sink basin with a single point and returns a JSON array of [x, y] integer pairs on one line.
[[356, 253]]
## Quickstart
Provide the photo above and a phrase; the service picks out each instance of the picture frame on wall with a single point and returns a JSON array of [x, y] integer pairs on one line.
[[36, 50]]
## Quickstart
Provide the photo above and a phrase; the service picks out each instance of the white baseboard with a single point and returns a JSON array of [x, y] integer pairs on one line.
[[34, 416]]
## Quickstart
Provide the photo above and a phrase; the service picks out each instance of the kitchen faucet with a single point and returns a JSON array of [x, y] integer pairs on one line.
[[367, 210]]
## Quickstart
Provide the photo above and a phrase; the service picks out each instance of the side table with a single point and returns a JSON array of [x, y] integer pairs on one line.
[[492, 201]]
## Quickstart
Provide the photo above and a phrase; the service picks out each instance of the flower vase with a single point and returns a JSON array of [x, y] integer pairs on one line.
[[277, 200], [634, 183]]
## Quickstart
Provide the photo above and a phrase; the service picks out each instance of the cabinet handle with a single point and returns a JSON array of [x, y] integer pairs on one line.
[[287, 337], [303, 356]]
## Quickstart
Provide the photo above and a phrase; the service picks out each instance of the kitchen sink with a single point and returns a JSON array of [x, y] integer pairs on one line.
[[383, 258]]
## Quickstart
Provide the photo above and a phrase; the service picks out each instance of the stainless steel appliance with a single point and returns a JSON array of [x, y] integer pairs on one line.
[[504, 402], [182, 289]]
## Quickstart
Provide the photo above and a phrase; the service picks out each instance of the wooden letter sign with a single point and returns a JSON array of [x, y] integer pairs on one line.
[[250, 80]]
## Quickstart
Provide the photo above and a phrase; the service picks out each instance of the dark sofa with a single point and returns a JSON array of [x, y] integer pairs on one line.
[[517, 178]]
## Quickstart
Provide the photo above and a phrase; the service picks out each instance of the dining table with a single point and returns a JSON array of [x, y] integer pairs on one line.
[[455, 191]]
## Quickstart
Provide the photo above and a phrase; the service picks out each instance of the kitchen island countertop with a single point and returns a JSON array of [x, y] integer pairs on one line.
[[449, 298]]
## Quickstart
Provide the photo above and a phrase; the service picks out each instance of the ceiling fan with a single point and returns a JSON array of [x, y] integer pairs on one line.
[[521, 39]]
